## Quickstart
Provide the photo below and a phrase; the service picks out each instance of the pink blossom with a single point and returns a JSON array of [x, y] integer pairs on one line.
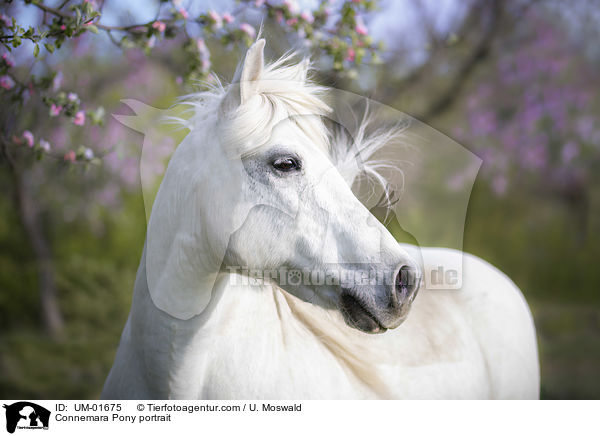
[[6, 20], [92, 3], [292, 6], [55, 110], [79, 118], [7, 60], [28, 137], [259, 3], [360, 27], [71, 96], [307, 16], [216, 19], [70, 156], [248, 30], [63, 27], [279, 16], [44, 145], [184, 13], [351, 54], [160, 26], [228, 18], [292, 21], [7, 82]]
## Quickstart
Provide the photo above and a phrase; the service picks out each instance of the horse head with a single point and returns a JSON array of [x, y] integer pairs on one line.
[[254, 186]]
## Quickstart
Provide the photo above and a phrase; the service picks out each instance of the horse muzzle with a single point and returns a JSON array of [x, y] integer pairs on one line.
[[375, 309]]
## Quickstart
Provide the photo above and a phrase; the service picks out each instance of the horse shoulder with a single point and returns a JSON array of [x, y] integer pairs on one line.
[[501, 321]]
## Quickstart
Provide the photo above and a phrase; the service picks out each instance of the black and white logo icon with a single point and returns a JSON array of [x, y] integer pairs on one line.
[[26, 415]]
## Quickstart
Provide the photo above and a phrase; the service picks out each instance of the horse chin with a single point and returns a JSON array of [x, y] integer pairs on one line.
[[358, 316]]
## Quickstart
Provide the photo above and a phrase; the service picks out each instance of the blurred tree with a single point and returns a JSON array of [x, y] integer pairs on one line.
[[32, 82], [514, 82], [531, 120]]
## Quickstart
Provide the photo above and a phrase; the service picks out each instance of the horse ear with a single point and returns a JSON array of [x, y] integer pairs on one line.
[[246, 80], [253, 67]]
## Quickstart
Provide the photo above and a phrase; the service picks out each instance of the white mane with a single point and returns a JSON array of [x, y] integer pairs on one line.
[[287, 91]]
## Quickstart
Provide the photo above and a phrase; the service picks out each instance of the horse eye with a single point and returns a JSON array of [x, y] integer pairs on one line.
[[286, 164]]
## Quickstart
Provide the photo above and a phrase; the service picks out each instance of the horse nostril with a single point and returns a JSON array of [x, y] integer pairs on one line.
[[406, 285]]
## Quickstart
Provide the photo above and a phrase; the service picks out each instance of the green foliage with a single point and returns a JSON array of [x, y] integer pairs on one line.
[[537, 241], [95, 282]]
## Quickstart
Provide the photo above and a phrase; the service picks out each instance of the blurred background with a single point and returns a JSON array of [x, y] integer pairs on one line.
[[513, 81]]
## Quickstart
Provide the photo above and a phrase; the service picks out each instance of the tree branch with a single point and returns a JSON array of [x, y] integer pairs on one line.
[[29, 217], [466, 69], [60, 13]]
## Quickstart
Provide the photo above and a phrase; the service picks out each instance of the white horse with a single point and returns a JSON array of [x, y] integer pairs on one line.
[[254, 185]]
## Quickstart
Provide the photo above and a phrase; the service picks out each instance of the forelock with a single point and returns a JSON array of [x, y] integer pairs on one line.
[[284, 92]]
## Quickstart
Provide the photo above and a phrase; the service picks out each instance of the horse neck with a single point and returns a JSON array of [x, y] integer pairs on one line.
[[163, 343], [175, 352]]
